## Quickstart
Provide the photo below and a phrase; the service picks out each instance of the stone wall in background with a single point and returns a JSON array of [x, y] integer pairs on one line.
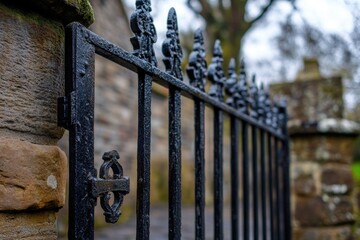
[[322, 149]]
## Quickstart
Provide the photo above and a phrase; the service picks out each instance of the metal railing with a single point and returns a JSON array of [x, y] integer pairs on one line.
[[248, 107]]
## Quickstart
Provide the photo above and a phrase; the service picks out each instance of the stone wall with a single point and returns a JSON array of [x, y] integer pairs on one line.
[[322, 147], [32, 168]]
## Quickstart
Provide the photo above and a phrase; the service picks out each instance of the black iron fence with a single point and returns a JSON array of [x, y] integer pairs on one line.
[[264, 149]]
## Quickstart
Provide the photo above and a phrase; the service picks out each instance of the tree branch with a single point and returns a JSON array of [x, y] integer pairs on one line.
[[263, 12], [206, 9], [188, 3], [221, 7]]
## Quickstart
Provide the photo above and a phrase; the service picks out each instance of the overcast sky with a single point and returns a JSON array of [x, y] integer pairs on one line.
[[329, 16]]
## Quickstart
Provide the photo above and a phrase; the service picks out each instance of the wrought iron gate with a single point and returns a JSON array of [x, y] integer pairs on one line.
[[265, 147]]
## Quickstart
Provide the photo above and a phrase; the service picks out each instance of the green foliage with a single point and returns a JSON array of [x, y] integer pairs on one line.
[[356, 172]]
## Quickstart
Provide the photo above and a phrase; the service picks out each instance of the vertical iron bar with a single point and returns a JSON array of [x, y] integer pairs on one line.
[[234, 178], [218, 174], [246, 182], [277, 189], [263, 185], [287, 191], [255, 181], [270, 178], [80, 89], [286, 180], [199, 109], [143, 157], [174, 164]]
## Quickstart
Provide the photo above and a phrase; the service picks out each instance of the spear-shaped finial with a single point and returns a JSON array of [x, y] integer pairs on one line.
[[197, 63], [242, 102], [261, 103], [171, 47], [282, 115], [231, 84], [142, 25], [253, 98], [216, 73]]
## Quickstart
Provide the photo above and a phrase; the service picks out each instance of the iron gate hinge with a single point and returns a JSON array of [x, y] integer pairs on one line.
[[66, 110]]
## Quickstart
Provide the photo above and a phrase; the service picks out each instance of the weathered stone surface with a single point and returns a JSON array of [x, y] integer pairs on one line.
[[66, 11], [305, 185], [324, 211], [324, 126], [327, 233], [33, 77], [323, 148], [29, 226], [337, 180], [31, 176], [317, 99]]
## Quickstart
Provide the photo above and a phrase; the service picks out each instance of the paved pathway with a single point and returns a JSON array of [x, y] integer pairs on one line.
[[159, 226]]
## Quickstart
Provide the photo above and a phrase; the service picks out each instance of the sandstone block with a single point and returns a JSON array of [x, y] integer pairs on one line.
[[29, 226], [33, 77], [324, 211], [323, 148], [305, 185], [31, 176], [337, 180], [332, 233]]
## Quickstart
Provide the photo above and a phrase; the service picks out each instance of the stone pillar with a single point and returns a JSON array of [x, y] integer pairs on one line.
[[33, 169], [322, 182], [322, 146]]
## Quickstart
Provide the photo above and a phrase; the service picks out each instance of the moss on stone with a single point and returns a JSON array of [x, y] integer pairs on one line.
[[66, 11]]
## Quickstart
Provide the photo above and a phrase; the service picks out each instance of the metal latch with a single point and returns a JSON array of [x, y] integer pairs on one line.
[[105, 184]]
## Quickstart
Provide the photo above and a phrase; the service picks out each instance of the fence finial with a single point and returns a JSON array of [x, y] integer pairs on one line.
[[197, 63], [254, 97], [231, 85], [268, 109], [282, 115], [242, 103], [261, 104], [275, 116], [216, 73], [171, 46], [142, 25]]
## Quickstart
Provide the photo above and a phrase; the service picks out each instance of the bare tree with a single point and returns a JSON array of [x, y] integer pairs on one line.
[[228, 21]]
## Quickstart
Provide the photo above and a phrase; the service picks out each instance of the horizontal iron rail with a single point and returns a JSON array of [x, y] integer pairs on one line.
[[131, 62]]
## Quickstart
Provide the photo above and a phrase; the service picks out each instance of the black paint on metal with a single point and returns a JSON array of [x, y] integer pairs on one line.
[[263, 180], [142, 25], [253, 102], [231, 88], [80, 86], [250, 106], [245, 181], [143, 157], [217, 78], [277, 190], [105, 184], [173, 54], [234, 178], [271, 185], [286, 172], [197, 72]]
